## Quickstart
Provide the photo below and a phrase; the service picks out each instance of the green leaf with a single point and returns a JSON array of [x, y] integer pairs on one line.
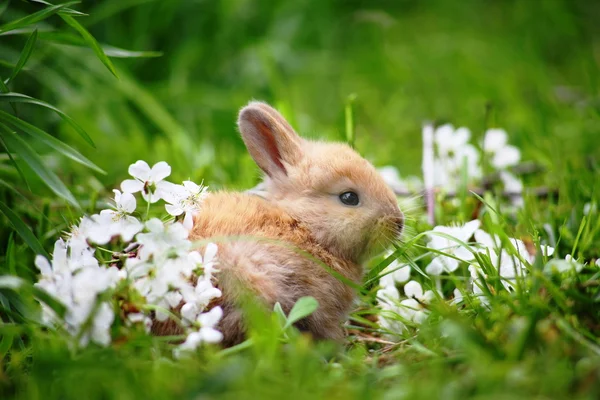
[[23, 231], [69, 11], [22, 98], [111, 51], [303, 308], [89, 39], [117, 52], [18, 146], [12, 160], [59, 308], [35, 17], [25, 54], [49, 140], [280, 314], [11, 282]]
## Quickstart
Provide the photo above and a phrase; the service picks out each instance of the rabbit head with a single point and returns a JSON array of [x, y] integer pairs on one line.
[[329, 187]]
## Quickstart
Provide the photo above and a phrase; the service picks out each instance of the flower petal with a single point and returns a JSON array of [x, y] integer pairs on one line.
[[210, 252], [211, 318], [211, 335], [506, 157], [435, 267], [160, 171], [127, 203], [413, 289], [173, 210], [132, 186], [140, 170], [494, 140], [188, 221]]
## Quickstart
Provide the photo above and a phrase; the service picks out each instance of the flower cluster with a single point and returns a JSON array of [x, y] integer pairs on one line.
[[410, 309], [152, 261], [452, 246], [454, 160]]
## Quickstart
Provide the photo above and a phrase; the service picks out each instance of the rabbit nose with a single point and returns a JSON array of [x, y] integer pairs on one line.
[[399, 223]]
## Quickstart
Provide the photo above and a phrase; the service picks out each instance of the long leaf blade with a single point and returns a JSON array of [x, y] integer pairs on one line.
[[91, 41], [18, 146], [50, 140], [23, 231], [35, 17], [69, 11], [22, 98], [24, 57], [12, 160]]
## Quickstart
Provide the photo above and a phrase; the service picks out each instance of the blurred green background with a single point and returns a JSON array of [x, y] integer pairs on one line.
[[184, 70], [528, 66]]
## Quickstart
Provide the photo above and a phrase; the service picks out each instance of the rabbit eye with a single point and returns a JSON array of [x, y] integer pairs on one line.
[[349, 198]]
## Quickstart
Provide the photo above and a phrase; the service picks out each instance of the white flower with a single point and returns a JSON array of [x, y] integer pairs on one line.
[[413, 308], [392, 177], [186, 198], [458, 297], [503, 154], [452, 249], [79, 235], [76, 280], [454, 154], [589, 208], [147, 181], [388, 300], [169, 301], [394, 273], [103, 319], [163, 241], [509, 264], [116, 222], [207, 333], [560, 266], [198, 299], [136, 318], [511, 183], [598, 263]]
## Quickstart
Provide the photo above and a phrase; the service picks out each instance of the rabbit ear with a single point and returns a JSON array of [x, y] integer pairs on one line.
[[270, 140]]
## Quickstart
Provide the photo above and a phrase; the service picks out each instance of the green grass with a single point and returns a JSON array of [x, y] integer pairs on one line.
[[529, 67]]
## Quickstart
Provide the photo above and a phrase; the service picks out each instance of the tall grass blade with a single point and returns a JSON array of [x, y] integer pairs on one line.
[[50, 140], [23, 231], [35, 17], [18, 146], [91, 41], [24, 57], [23, 98]]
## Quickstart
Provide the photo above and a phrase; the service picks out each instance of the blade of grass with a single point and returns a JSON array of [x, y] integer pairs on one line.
[[18, 146], [5, 89], [35, 17], [22, 98], [24, 57], [23, 231], [12, 160], [69, 11], [91, 41], [50, 140]]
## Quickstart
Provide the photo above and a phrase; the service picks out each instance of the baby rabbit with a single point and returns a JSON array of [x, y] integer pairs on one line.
[[322, 199]]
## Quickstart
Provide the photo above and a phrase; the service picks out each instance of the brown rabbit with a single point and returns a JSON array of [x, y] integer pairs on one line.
[[322, 199]]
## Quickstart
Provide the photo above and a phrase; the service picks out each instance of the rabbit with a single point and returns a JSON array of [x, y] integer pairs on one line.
[[324, 203]]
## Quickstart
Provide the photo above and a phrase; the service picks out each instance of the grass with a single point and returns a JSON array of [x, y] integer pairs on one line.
[[529, 67]]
